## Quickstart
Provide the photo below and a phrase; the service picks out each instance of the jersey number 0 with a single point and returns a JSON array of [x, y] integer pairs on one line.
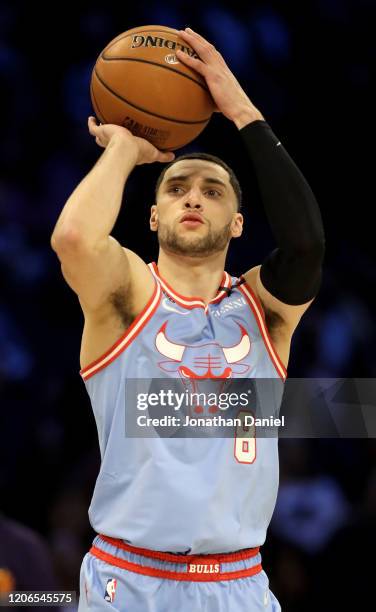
[[245, 440]]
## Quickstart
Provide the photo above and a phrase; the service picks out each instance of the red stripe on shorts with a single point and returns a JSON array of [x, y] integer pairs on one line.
[[198, 568]]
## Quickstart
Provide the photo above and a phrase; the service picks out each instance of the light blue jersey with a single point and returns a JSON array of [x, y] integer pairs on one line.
[[202, 495]]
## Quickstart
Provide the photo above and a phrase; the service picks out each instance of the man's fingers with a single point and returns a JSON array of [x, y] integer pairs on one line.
[[188, 32], [165, 156], [199, 43], [92, 125], [192, 62], [191, 32], [195, 43]]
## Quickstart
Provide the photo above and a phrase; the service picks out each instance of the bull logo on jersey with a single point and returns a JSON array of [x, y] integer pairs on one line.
[[204, 361], [209, 360]]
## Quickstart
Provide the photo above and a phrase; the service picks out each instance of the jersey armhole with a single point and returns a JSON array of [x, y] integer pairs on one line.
[[128, 336], [255, 306]]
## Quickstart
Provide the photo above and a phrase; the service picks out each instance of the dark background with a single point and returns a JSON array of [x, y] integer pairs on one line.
[[308, 67]]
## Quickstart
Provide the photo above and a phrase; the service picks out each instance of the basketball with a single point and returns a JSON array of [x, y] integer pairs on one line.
[[138, 82]]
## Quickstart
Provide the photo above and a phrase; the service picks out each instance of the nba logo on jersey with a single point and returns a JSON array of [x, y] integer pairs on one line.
[[110, 589]]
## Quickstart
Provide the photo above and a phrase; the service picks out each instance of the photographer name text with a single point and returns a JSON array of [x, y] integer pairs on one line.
[[248, 420]]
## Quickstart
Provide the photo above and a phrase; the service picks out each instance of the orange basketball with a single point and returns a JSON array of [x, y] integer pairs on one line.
[[139, 83]]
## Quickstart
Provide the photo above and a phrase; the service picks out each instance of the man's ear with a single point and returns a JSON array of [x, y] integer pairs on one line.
[[237, 225], [153, 218]]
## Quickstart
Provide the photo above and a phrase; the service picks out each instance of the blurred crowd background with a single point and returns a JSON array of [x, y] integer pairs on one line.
[[309, 68]]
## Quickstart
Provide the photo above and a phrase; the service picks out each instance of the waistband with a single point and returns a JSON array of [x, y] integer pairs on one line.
[[195, 568]]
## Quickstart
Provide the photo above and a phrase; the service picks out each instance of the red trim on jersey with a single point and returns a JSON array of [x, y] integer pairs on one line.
[[226, 282], [255, 297], [246, 553], [129, 335], [258, 312], [186, 576], [190, 302]]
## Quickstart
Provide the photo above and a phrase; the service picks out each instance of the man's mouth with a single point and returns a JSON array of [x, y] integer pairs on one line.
[[191, 220]]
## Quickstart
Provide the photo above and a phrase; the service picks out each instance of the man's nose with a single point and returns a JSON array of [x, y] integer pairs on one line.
[[196, 205], [193, 200]]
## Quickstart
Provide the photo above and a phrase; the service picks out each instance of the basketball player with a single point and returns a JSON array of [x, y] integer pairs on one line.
[[180, 521]]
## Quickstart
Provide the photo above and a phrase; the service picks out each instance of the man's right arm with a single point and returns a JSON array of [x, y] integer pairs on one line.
[[93, 263]]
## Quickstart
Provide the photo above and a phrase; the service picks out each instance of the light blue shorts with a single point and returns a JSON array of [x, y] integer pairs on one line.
[[116, 576]]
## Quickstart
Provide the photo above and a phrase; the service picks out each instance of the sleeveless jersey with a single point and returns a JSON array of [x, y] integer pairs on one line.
[[185, 495]]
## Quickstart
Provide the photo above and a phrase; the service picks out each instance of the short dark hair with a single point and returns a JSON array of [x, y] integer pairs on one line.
[[206, 157]]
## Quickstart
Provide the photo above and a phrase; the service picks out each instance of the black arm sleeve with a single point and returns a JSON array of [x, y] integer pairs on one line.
[[292, 272]]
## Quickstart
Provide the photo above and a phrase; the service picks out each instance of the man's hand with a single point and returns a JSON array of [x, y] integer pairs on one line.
[[145, 152], [228, 95]]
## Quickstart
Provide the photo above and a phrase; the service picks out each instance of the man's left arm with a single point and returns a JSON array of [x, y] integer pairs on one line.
[[289, 278]]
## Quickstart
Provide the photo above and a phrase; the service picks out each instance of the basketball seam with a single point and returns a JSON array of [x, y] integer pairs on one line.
[[144, 110], [103, 119], [136, 59]]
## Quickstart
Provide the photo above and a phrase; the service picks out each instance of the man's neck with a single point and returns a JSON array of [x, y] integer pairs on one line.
[[192, 276]]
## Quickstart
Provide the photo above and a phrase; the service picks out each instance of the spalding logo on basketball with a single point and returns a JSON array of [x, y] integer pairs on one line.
[[139, 83]]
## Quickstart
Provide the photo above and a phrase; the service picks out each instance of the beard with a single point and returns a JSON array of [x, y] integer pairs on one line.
[[192, 245]]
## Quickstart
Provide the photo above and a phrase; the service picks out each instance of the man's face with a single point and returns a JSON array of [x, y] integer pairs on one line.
[[195, 214]]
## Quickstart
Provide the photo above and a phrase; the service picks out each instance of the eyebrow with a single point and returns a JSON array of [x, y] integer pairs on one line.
[[184, 177]]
